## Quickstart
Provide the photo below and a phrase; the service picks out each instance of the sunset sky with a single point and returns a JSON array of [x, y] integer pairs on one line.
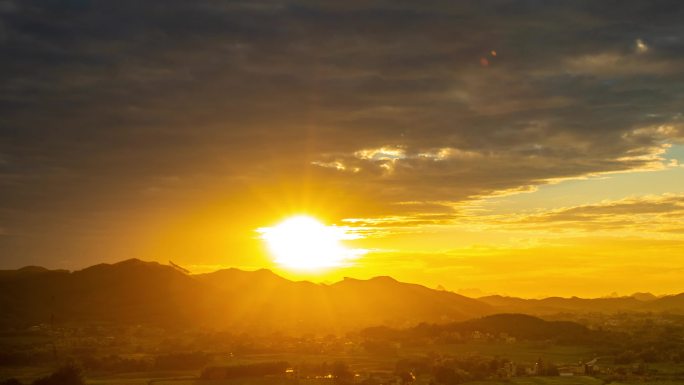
[[528, 148]]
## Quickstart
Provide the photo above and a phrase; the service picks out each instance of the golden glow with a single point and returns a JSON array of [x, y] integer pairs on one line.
[[570, 237], [304, 243]]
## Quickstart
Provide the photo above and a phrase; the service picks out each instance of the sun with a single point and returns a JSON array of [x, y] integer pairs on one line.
[[303, 243]]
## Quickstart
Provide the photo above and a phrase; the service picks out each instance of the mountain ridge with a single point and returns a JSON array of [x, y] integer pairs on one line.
[[137, 291], [35, 269], [150, 292]]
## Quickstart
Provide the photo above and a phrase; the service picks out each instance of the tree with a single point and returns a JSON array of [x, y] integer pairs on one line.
[[69, 374], [341, 372], [450, 376], [405, 377], [626, 357]]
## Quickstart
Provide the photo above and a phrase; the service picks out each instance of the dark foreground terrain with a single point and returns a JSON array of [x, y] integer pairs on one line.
[[140, 323]]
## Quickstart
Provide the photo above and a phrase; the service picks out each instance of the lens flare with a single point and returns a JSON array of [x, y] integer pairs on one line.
[[304, 243]]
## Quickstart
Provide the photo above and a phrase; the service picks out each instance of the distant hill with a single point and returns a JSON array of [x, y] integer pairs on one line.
[[644, 297], [134, 291], [523, 326], [275, 302], [129, 291], [638, 302], [670, 303], [139, 292], [520, 326]]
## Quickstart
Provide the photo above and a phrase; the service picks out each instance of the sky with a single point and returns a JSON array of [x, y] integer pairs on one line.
[[527, 148]]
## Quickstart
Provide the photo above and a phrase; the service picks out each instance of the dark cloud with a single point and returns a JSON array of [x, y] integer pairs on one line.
[[112, 112]]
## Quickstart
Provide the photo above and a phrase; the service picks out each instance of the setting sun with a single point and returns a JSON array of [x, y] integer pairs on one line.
[[304, 243]]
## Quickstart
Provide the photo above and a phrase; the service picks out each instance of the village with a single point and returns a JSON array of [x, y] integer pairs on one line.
[[377, 356]]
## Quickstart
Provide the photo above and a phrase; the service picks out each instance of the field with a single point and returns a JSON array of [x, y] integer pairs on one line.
[[543, 381], [515, 381], [364, 362], [270, 381], [520, 352]]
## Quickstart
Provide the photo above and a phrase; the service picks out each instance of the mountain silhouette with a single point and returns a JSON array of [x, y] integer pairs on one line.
[[669, 303], [275, 302], [639, 302], [520, 326], [129, 291], [138, 292]]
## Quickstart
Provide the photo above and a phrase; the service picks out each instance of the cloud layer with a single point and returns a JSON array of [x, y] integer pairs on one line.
[[118, 116]]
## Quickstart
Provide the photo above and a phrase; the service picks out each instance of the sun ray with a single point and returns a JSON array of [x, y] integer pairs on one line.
[[304, 243]]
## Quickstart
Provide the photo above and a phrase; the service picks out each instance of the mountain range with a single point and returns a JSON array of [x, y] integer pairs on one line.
[[639, 302], [139, 292]]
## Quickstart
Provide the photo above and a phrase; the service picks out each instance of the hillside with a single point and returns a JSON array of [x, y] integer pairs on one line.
[[275, 302], [670, 303], [640, 302], [519, 326], [129, 291], [523, 326], [134, 292]]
